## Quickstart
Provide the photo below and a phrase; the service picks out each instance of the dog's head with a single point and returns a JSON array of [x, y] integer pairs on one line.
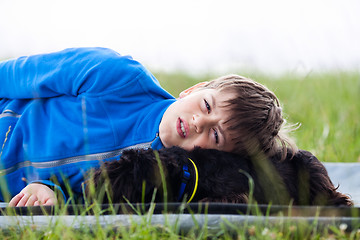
[[138, 173]]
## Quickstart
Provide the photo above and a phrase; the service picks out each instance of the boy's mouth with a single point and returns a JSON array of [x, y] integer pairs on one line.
[[181, 128]]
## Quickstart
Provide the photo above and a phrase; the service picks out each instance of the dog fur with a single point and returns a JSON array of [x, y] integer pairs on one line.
[[301, 179]]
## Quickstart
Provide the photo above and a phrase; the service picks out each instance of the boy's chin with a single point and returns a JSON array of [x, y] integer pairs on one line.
[[186, 147]]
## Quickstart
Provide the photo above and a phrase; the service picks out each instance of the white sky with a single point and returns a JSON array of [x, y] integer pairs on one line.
[[193, 35]]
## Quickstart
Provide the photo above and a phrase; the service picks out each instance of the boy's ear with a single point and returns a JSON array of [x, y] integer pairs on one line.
[[191, 89]]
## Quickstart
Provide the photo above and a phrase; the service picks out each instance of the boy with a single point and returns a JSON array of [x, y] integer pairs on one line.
[[60, 113]]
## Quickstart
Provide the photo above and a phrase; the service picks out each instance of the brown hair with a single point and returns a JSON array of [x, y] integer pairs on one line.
[[256, 117]]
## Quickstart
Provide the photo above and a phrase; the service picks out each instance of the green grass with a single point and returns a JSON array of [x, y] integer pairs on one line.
[[327, 105]]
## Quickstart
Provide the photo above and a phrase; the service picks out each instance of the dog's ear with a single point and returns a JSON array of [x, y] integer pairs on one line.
[[321, 189]]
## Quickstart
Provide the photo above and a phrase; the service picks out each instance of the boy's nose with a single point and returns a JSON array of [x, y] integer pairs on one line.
[[199, 123]]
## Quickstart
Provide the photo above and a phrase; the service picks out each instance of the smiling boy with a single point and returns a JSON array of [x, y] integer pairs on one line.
[[197, 119], [60, 113]]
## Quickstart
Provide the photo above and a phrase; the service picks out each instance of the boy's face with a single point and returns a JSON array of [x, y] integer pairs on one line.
[[197, 119]]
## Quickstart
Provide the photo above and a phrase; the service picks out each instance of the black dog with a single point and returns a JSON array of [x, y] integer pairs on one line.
[[222, 177]]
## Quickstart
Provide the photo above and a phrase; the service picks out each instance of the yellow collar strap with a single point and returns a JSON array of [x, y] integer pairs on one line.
[[196, 181]]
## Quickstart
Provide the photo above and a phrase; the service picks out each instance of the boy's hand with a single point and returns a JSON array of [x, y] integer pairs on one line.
[[34, 194]]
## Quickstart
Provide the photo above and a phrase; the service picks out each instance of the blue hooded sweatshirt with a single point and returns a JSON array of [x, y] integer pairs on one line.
[[63, 113]]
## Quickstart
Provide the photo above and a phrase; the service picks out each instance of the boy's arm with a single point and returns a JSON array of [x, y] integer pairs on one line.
[[68, 72]]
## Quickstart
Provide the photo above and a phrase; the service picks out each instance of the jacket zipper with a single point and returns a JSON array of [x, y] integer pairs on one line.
[[9, 113], [76, 159]]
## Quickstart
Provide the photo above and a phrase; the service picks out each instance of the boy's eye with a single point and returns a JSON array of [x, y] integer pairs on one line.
[[216, 136], [207, 106]]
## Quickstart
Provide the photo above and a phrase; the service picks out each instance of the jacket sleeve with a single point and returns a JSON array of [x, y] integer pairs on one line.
[[69, 72]]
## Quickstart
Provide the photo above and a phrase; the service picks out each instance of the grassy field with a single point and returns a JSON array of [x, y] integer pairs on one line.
[[327, 106]]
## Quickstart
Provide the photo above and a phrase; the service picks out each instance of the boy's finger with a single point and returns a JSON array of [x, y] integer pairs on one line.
[[50, 202], [23, 200], [37, 203], [32, 199], [14, 201]]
